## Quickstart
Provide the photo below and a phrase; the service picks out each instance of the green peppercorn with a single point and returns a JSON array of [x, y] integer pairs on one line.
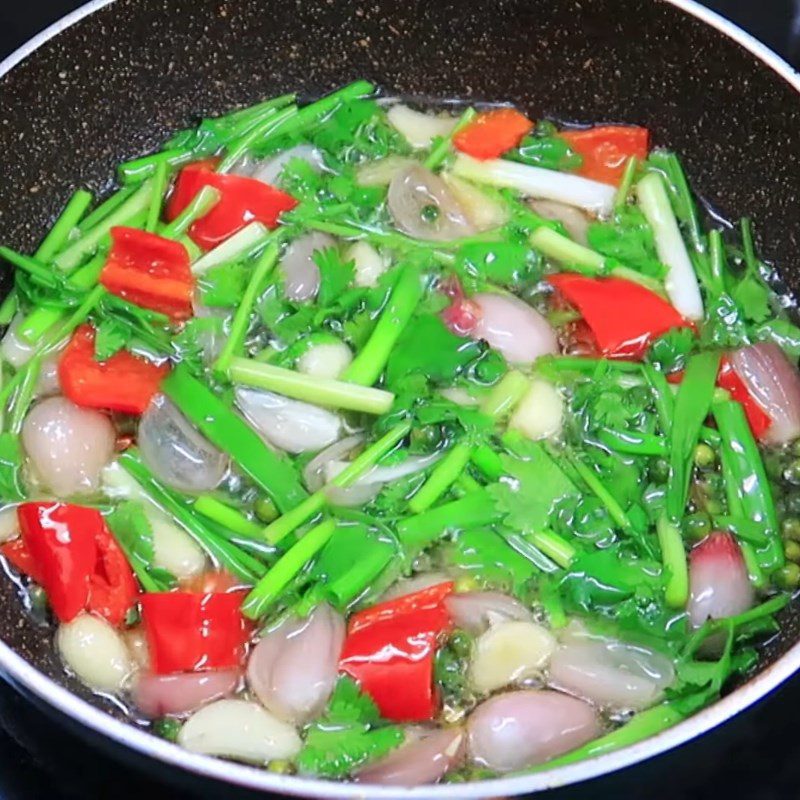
[[773, 464], [792, 550], [788, 577], [792, 472], [791, 529], [713, 507], [704, 456], [265, 509], [659, 470], [430, 212], [697, 526]]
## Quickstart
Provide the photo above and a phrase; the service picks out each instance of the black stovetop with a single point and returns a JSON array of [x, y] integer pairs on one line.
[[753, 757]]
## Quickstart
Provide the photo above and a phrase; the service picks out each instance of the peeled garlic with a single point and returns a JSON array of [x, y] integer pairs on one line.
[[540, 413], [370, 264], [175, 550], [417, 128], [509, 652], [381, 172], [483, 212], [325, 360], [95, 652], [239, 729]]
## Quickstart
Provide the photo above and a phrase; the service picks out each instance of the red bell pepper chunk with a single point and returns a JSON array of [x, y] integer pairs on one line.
[[606, 149], [188, 631], [624, 317], [71, 553], [243, 200], [729, 379], [492, 133], [124, 383], [149, 271], [390, 651]]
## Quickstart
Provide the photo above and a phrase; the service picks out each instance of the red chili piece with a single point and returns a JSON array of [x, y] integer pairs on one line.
[[149, 271], [123, 383], [188, 631], [606, 149], [492, 133], [243, 200], [390, 651], [624, 317], [729, 379], [70, 552]]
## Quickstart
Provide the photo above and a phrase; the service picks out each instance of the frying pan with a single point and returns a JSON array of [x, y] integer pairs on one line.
[[111, 80]]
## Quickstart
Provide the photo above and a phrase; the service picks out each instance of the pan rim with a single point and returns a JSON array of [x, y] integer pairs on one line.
[[22, 674]]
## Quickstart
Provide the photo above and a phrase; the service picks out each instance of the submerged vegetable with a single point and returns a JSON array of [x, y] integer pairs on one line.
[[411, 446]]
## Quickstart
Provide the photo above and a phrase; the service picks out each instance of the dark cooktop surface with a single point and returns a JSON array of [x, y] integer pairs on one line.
[[753, 757]]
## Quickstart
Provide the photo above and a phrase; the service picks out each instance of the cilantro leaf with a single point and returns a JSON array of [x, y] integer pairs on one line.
[[505, 263], [10, 465], [429, 348], [335, 274], [196, 340], [545, 148], [752, 296], [486, 556], [628, 238], [134, 533], [670, 350], [347, 735], [532, 488], [724, 326], [110, 338], [223, 286]]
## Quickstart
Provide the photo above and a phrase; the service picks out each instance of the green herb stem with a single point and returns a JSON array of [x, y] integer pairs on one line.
[[442, 147], [297, 385], [85, 246], [418, 532], [230, 433], [228, 517], [444, 474], [570, 254], [312, 505], [238, 562], [624, 190], [555, 547], [633, 442], [199, 206], [269, 588], [692, 406], [241, 245], [67, 221], [105, 208], [140, 169], [641, 726], [505, 395], [157, 198], [241, 320], [746, 483], [368, 365], [673, 557]]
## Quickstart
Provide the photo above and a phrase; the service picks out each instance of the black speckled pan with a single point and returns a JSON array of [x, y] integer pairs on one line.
[[109, 82]]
